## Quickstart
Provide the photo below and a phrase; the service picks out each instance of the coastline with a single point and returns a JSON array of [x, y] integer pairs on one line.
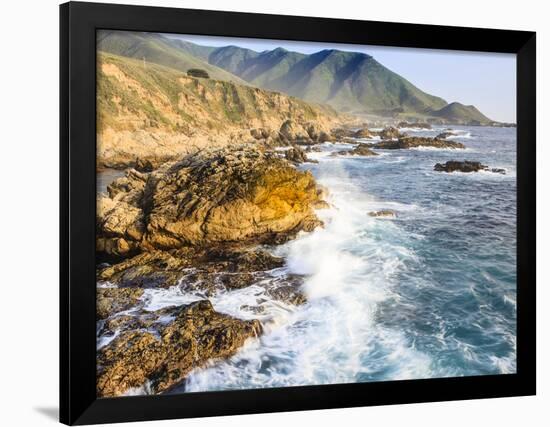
[[278, 287]]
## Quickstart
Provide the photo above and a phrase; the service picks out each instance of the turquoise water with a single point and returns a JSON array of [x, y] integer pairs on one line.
[[430, 293]]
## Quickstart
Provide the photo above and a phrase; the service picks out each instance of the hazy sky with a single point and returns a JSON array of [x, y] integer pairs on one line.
[[486, 80]]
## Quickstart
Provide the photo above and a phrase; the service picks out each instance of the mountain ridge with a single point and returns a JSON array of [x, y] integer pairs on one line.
[[350, 82]]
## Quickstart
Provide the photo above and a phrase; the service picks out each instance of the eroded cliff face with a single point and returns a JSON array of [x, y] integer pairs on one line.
[[154, 113]]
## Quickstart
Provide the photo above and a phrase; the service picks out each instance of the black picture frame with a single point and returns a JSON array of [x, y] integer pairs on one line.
[[78, 25]]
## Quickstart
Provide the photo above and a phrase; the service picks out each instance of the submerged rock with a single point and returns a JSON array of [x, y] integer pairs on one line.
[[198, 334], [289, 294], [225, 195], [113, 300], [417, 141], [446, 134], [384, 213], [360, 150]]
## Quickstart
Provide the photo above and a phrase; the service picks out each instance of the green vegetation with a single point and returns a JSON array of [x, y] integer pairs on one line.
[[132, 95], [157, 49], [347, 81], [198, 72]]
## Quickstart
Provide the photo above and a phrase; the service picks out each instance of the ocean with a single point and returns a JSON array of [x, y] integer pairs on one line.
[[429, 293]]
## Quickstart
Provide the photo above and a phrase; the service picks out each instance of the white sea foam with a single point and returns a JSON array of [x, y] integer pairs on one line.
[[454, 150], [334, 337]]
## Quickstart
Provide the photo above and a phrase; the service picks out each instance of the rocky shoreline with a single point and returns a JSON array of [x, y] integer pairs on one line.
[[199, 222], [196, 223]]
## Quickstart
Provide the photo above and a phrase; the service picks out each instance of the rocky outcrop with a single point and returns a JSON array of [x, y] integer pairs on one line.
[[204, 269], [197, 334], [389, 132], [342, 132], [465, 166], [416, 141], [227, 195], [360, 150], [309, 133], [296, 155], [363, 133]]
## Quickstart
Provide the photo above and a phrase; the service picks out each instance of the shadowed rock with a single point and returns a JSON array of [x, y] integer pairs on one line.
[[360, 150], [465, 166], [206, 268], [417, 141]]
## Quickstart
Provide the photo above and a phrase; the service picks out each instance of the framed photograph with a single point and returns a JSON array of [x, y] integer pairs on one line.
[[267, 213]]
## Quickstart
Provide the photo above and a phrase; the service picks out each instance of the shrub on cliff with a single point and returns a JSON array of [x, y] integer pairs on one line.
[[198, 72]]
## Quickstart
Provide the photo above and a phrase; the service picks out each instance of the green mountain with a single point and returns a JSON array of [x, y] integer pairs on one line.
[[348, 81], [460, 113], [155, 48]]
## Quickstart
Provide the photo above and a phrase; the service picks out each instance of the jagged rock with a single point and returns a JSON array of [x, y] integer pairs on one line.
[[465, 166], [197, 334], [500, 171], [341, 133], [384, 213], [113, 300], [149, 269], [417, 141], [293, 132], [289, 294], [363, 133], [297, 155], [144, 165], [360, 150], [210, 268], [227, 195], [324, 137], [390, 133]]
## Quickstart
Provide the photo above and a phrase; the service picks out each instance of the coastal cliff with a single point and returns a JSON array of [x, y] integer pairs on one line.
[[149, 112]]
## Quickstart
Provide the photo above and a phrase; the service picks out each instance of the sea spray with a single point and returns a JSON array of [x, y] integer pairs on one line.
[[334, 337]]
